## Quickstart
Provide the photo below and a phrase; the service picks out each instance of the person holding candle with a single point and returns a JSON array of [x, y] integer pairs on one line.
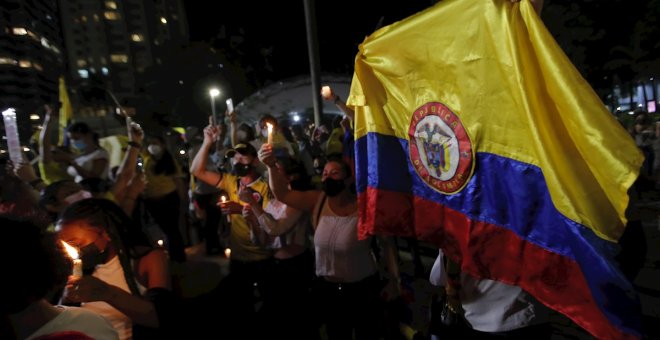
[[36, 277], [348, 290], [125, 279], [269, 130], [249, 264], [286, 230]]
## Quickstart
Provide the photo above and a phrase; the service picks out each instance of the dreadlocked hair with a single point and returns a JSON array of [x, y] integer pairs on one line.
[[125, 235]]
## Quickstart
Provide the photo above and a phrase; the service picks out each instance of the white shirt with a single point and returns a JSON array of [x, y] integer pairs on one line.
[[80, 320], [492, 306], [339, 252], [87, 162], [112, 273]]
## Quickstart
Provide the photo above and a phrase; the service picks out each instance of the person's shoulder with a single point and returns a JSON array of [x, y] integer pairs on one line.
[[90, 320]]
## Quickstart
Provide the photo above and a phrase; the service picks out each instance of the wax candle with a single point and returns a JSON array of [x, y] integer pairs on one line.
[[77, 262], [223, 199], [270, 133]]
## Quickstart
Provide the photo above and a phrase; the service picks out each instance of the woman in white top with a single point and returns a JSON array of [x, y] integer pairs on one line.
[[348, 291], [91, 160], [126, 280], [36, 276]]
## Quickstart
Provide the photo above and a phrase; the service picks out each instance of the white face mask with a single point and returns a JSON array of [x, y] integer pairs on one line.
[[155, 149], [77, 196]]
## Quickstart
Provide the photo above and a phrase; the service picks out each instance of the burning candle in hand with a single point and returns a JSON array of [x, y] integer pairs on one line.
[[227, 252], [77, 263], [270, 133], [223, 199]]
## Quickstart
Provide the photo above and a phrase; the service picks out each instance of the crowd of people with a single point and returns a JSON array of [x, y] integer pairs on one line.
[[282, 198]]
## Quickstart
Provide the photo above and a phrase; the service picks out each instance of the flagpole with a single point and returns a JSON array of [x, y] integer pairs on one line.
[[314, 62]]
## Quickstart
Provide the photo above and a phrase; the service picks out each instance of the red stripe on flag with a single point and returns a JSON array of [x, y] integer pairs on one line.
[[385, 213], [488, 251]]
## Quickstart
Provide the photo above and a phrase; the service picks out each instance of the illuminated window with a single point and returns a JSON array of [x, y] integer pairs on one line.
[[119, 58], [111, 15], [24, 63], [83, 73], [8, 61], [111, 4], [81, 62], [19, 31], [137, 37]]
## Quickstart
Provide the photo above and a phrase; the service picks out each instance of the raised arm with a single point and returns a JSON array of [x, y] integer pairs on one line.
[[233, 128], [301, 200], [266, 221], [198, 165], [126, 170], [330, 95], [50, 119]]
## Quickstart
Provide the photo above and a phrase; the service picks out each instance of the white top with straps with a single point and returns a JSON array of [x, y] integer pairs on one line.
[[112, 273], [339, 253]]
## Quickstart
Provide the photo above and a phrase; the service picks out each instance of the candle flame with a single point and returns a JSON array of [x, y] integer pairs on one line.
[[223, 199], [73, 252], [227, 252], [160, 243], [270, 127], [325, 91]]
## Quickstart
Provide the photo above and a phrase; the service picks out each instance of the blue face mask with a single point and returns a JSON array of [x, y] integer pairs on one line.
[[79, 144]]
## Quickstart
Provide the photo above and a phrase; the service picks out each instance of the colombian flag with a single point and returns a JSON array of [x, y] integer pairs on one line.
[[474, 131]]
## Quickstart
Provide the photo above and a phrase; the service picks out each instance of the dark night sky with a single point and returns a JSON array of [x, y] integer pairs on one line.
[[587, 30], [341, 26]]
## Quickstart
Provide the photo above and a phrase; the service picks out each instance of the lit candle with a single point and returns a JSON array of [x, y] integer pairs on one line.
[[227, 252], [270, 133], [223, 199], [77, 263], [160, 243], [325, 92]]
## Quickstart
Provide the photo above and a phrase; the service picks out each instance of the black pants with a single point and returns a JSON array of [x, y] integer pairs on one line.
[[212, 222], [351, 307], [165, 211], [291, 283]]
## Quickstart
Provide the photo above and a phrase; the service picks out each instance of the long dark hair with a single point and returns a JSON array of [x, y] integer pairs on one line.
[[126, 236]]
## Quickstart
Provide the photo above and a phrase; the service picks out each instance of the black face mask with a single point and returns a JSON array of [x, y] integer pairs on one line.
[[242, 170], [332, 187], [92, 256]]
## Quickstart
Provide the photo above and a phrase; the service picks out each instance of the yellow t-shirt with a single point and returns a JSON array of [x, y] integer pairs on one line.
[[52, 172], [159, 185], [334, 144], [242, 248]]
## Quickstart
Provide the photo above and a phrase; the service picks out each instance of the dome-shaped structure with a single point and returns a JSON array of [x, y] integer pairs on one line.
[[291, 100]]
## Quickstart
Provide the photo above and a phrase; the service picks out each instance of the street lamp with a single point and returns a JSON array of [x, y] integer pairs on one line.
[[214, 93]]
